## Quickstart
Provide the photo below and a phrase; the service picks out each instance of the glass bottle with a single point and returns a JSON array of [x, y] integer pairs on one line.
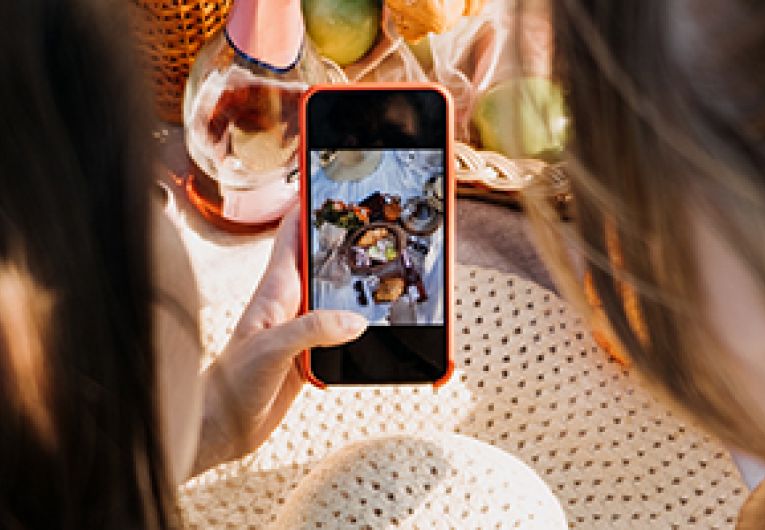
[[413, 279], [240, 115]]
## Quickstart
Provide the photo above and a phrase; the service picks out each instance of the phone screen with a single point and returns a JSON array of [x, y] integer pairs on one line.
[[378, 227]]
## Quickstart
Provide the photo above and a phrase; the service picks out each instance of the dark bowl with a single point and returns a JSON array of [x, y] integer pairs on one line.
[[390, 268], [420, 217]]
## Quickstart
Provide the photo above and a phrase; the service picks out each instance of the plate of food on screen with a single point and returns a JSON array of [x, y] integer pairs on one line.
[[390, 288], [341, 214], [376, 248], [382, 207]]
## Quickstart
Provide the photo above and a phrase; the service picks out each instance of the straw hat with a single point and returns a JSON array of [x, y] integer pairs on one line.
[[446, 481]]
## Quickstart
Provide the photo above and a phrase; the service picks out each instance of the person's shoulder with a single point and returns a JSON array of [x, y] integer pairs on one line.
[[174, 281]]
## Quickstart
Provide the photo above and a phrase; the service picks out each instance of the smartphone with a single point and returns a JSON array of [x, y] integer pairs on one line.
[[377, 193]]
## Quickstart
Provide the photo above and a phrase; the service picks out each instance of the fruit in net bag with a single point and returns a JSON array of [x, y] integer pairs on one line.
[[523, 118], [343, 30], [414, 19]]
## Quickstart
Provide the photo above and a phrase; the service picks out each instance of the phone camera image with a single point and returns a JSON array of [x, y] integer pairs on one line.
[[377, 244], [377, 225]]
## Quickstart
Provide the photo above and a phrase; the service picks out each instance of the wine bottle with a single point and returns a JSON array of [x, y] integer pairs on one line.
[[412, 278], [241, 114]]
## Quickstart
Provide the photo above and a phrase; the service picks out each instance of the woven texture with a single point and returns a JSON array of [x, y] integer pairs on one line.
[[446, 481], [169, 34], [494, 177], [529, 381]]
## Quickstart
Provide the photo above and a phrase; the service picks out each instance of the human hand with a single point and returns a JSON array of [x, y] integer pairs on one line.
[[256, 378]]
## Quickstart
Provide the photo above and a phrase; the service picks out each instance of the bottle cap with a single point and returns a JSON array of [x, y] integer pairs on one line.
[[267, 32]]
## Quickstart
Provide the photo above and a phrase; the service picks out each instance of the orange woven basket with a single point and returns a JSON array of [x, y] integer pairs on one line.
[[169, 34]]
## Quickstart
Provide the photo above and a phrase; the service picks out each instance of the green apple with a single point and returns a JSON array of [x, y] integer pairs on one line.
[[523, 118], [342, 30]]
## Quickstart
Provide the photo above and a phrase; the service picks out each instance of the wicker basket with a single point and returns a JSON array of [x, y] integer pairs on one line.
[[169, 34], [493, 177]]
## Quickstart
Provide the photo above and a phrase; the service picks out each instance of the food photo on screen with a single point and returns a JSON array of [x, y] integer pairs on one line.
[[377, 234]]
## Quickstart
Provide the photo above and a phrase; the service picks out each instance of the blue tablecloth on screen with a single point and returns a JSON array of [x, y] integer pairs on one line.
[[401, 173]]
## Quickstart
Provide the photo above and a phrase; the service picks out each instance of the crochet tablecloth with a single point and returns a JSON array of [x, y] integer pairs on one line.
[[529, 381]]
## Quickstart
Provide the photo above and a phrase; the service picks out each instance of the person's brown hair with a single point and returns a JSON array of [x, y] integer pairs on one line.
[[667, 104], [80, 443]]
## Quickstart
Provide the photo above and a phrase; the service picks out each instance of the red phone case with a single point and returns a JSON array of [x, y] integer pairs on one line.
[[305, 357]]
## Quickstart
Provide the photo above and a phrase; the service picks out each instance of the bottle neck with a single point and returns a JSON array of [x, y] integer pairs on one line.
[[267, 32]]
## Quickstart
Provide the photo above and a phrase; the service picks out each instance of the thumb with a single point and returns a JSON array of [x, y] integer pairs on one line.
[[317, 328]]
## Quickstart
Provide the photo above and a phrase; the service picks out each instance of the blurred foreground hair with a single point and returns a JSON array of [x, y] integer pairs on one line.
[[668, 123], [79, 433]]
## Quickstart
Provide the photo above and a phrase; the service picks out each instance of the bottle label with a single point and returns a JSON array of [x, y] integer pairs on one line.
[[267, 32], [259, 205]]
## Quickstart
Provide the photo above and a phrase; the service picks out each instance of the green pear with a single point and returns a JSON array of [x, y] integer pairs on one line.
[[342, 30], [523, 118]]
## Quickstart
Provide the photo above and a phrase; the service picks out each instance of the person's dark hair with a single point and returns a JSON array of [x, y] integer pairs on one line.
[[667, 103], [80, 444]]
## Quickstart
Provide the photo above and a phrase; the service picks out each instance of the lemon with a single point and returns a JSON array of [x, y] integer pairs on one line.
[[342, 30], [523, 118]]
